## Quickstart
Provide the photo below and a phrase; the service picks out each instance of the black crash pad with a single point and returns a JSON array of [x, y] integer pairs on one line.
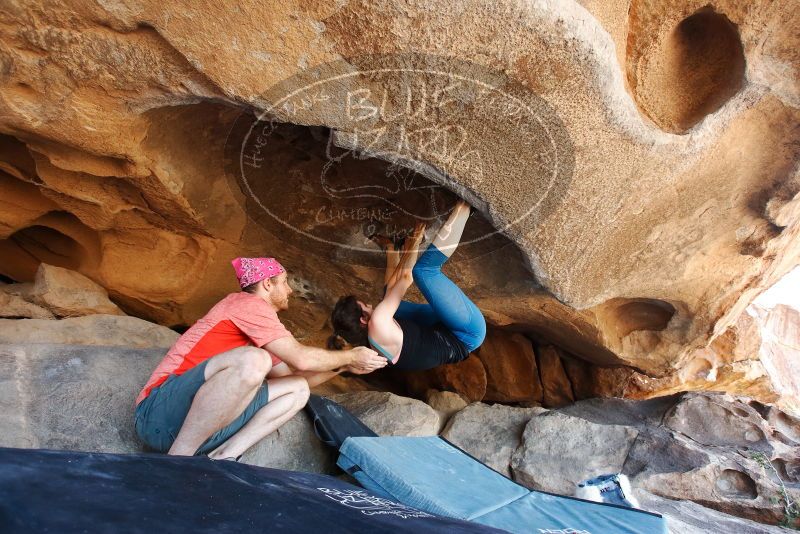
[[333, 423], [64, 492]]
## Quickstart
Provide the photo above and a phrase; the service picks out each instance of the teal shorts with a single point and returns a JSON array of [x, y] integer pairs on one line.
[[160, 416]]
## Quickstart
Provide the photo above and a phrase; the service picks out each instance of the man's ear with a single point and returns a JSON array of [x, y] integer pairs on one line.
[[265, 283], [363, 320]]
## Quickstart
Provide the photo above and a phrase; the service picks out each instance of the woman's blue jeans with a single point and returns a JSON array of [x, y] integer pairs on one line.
[[447, 304]]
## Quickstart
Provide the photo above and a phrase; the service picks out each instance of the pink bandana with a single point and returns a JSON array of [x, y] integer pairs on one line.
[[252, 270]]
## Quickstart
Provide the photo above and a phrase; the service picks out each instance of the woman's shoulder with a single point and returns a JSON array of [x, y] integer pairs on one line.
[[384, 329]]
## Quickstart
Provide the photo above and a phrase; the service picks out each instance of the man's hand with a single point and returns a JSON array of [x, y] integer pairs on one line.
[[365, 360]]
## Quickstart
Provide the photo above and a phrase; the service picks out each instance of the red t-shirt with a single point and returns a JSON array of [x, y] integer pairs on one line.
[[238, 320]]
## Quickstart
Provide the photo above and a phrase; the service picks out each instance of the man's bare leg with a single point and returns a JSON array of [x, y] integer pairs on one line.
[[449, 234], [232, 379], [287, 396]]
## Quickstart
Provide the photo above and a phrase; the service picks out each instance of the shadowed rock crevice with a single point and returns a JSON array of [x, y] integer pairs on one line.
[[328, 200], [58, 238]]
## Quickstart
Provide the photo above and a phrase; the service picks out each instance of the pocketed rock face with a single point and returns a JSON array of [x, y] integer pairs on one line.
[[720, 422], [673, 125], [756, 356], [715, 450]]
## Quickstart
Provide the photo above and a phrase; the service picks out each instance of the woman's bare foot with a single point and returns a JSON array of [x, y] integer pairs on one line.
[[463, 205], [449, 235]]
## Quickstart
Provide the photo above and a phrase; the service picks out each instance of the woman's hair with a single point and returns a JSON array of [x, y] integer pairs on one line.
[[347, 327]]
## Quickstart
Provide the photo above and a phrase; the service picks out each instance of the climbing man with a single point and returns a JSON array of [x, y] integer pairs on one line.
[[225, 383]]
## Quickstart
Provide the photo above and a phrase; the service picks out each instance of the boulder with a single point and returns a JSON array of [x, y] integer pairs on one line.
[[388, 414], [111, 330], [15, 307], [295, 447], [579, 374], [467, 378], [446, 404], [558, 451], [341, 384], [72, 397], [81, 397], [68, 293], [679, 452], [510, 364], [490, 433], [556, 384]]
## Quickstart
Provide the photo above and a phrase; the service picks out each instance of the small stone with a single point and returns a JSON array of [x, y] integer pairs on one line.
[[446, 404]]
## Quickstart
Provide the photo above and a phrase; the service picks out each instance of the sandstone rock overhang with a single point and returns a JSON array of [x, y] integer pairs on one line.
[[113, 157]]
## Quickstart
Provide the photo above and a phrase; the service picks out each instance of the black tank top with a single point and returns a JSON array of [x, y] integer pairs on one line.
[[425, 347]]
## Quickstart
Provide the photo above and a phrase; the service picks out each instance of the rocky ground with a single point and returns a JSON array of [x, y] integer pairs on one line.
[[709, 461]]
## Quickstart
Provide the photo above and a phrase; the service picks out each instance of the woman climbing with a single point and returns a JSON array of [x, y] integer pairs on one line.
[[409, 335]]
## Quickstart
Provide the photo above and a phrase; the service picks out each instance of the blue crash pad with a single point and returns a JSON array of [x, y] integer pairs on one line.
[[431, 474], [545, 512]]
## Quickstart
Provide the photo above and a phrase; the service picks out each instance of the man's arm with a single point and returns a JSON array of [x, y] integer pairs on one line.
[[314, 378], [304, 358], [280, 370]]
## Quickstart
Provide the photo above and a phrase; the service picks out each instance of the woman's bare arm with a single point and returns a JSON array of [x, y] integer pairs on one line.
[[392, 261], [401, 280], [408, 256]]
